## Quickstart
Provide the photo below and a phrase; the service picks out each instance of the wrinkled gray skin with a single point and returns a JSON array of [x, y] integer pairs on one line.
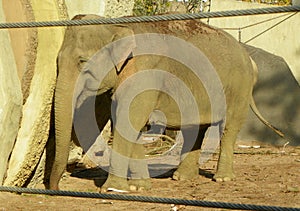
[[230, 60]]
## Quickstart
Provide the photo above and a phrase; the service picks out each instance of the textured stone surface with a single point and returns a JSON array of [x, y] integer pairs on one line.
[[75, 7], [23, 41], [34, 130], [285, 37], [11, 98], [36, 69], [117, 8], [105, 8]]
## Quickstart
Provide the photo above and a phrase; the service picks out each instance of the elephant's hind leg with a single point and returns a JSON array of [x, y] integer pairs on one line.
[[225, 163], [189, 165]]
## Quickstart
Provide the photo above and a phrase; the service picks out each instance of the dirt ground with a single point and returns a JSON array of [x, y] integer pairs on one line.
[[265, 176]]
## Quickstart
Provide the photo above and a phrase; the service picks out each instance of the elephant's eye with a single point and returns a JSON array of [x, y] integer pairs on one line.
[[81, 62]]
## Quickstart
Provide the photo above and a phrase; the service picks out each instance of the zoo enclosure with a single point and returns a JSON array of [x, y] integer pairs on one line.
[[295, 8]]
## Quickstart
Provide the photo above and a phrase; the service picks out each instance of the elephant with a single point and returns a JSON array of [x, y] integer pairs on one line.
[[180, 74]]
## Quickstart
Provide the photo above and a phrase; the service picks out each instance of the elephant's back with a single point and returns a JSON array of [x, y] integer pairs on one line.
[[222, 60], [223, 51]]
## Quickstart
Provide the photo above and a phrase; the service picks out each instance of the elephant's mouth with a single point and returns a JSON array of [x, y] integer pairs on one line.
[[85, 88], [81, 94]]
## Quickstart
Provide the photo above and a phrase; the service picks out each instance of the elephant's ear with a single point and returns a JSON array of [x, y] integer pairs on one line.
[[121, 48]]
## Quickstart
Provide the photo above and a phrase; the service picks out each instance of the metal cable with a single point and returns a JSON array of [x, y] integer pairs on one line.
[[139, 19], [254, 24], [150, 199], [239, 29], [268, 29]]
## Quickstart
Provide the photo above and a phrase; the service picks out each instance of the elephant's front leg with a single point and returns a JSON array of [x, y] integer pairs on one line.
[[127, 155], [129, 117], [119, 164], [138, 168]]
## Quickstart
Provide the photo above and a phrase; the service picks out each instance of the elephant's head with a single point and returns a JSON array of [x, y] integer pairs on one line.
[[88, 62], [104, 51]]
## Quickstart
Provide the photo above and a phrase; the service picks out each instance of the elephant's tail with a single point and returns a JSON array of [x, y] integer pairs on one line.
[[263, 120]]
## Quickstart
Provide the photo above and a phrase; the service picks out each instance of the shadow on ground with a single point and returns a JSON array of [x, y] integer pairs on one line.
[[99, 175]]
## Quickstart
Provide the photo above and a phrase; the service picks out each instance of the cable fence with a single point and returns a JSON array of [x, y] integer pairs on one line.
[[199, 203], [140, 19]]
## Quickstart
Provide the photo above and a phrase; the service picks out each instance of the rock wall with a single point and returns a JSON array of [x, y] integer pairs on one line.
[[277, 96], [11, 98], [28, 69], [34, 129], [23, 41], [117, 8]]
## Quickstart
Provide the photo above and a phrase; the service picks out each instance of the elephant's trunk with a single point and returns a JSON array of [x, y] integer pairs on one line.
[[63, 122]]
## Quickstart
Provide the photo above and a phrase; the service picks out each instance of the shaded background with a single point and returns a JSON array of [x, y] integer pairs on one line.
[[277, 95]]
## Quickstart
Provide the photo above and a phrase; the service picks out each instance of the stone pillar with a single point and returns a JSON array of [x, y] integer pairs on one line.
[[36, 51], [34, 130], [23, 41], [11, 97]]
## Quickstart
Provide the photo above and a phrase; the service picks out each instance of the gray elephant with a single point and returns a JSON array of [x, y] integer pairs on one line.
[[181, 74]]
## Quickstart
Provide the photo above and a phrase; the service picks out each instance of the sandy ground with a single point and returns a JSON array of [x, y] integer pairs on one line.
[[265, 176]]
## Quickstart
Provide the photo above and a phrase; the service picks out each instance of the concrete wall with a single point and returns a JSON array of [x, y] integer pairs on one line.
[[282, 40]]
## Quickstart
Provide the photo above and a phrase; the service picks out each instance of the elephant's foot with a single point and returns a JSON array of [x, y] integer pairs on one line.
[[188, 168], [224, 176], [185, 173], [51, 185], [115, 183], [139, 184]]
